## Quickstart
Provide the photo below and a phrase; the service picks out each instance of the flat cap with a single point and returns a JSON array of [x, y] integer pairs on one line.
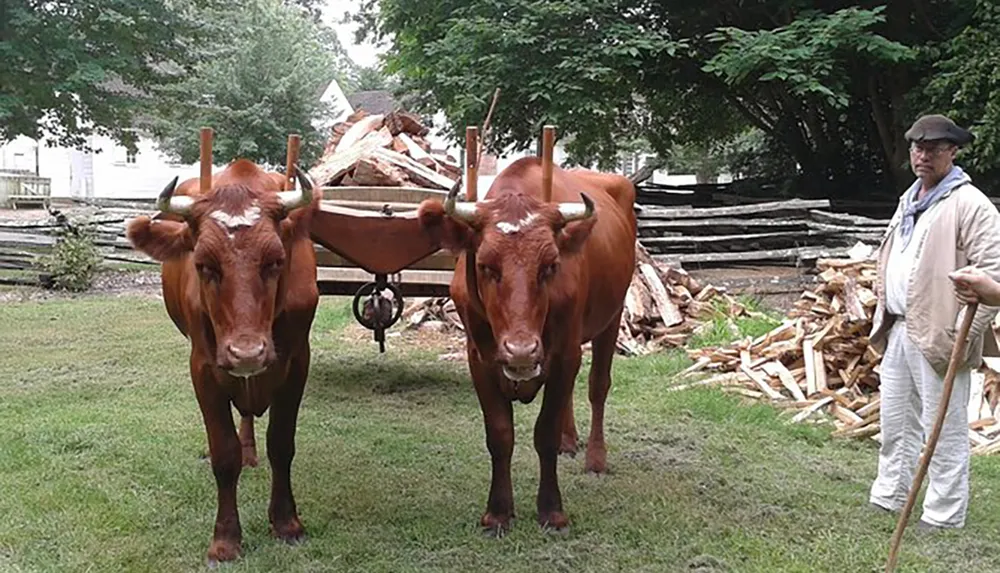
[[931, 127]]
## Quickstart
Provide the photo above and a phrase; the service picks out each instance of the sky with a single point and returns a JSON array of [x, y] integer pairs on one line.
[[363, 55]]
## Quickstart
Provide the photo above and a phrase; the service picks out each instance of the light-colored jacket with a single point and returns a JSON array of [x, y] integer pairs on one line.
[[965, 230]]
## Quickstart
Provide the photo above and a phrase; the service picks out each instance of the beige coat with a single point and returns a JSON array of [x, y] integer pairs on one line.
[[966, 230]]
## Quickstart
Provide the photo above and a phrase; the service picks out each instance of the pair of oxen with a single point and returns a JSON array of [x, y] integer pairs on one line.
[[534, 280]]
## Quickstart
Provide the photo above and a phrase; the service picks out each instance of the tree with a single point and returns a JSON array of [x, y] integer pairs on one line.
[[829, 85], [262, 80], [69, 69], [369, 78], [966, 86]]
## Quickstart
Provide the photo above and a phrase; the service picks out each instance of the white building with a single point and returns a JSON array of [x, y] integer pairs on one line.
[[109, 171]]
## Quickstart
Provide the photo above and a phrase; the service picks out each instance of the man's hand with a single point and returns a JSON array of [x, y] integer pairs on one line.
[[973, 285]]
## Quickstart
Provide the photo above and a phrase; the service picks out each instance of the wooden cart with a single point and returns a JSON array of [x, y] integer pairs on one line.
[[369, 244]]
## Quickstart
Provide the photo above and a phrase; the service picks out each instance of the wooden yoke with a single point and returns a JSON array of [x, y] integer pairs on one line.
[[472, 162], [205, 177], [291, 159], [548, 142]]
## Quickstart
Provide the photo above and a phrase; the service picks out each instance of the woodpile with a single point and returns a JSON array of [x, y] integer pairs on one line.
[[26, 238], [819, 360], [796, 231], [664, 307], [383, 150]]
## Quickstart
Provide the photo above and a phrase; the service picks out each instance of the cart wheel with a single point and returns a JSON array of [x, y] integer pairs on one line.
[[378, 313]]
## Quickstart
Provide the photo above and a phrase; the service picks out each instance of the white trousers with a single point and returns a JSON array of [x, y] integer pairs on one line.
[[911, 392]]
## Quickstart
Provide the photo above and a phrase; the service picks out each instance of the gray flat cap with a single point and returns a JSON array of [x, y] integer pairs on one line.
[[931, 127]]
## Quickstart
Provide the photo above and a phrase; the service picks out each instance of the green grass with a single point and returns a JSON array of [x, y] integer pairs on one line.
[[721, 329], [102, 467]]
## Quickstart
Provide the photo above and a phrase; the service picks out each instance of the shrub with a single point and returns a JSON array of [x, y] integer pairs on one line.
[[74, 260]]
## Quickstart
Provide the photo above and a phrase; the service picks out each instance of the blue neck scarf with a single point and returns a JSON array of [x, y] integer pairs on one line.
[[912, 207]]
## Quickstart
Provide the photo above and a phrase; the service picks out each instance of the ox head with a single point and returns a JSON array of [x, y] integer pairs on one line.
[[520, 266], [236, 239]]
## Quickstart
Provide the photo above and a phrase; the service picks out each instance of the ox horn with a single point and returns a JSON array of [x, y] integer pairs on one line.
[[167, 203], [575, 211], [463, 210], [303, 196]]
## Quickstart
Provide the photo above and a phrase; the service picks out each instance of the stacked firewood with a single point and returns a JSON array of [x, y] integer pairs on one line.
[[819, 360], [383, 150], [663, 308]]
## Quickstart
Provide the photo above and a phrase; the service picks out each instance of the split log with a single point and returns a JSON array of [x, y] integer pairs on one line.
[[359, 131], [415, 171], [333, 167], [375, 173], [416, 152]]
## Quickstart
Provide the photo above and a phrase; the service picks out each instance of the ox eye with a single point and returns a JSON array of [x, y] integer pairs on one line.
[[490, 272], [272, 269], [208, 273], [548, 271]]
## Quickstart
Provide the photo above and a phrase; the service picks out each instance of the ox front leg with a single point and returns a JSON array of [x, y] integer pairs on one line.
[[248, 441], [224, 449], [599, 383], [282, 513], [548, 434], [498, 417], [569, 435]]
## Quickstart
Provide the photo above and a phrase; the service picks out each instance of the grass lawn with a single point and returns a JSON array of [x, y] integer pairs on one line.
[[102, 466]]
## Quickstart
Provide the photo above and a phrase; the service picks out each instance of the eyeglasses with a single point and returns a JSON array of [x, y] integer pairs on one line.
[[932, 150]]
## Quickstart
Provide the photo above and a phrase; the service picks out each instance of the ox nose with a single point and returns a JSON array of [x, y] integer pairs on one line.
[[246, 352], [246, 355], [522, 351]]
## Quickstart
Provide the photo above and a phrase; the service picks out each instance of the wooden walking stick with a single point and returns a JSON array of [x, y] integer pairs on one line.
[[957, 353]]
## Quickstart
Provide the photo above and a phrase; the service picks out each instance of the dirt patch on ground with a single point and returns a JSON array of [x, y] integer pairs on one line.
[[111, 282], [777, 287]]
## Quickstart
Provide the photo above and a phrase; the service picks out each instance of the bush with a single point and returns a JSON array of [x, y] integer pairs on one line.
[[74, 260]]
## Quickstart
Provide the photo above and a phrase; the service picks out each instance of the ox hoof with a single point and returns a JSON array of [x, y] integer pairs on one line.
[[597, 460], [291, 531], [568, 446], [222, 550], [249, 458], [495, 526], [554, 522]]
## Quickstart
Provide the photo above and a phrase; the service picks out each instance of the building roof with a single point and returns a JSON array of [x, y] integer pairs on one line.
[[374, 101]]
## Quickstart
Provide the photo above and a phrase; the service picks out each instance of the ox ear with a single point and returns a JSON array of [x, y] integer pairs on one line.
[[161, 239], [571, 237], [444, 230]]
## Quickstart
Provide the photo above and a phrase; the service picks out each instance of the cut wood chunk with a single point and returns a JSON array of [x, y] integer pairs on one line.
[[405, 122], [417, 172], [361, 129], [872, 406], [809, 355], [982, 423], [787, 380], [845, 415], [416, 152], [666, 309], [820, 404], [375, 173], [762, 383], [335, 166]]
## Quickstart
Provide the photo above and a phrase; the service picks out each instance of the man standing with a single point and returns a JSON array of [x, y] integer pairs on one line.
[[943, 223]]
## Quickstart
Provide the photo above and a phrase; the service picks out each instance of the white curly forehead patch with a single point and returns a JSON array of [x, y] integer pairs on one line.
[[230, 222], [510, 227]]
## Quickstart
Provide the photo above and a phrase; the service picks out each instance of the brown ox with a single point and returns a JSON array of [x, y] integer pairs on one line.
[[548, 278], [239, 281]]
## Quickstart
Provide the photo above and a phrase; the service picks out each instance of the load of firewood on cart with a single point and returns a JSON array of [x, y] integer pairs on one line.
[[819, 361], [383, 150]]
